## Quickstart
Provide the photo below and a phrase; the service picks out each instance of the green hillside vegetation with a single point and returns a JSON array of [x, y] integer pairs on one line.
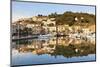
[[69, 18]]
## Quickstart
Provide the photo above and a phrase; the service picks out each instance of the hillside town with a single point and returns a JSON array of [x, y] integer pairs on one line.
[[44, 26]]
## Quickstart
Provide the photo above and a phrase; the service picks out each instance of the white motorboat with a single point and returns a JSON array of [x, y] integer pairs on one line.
[[45, 36]]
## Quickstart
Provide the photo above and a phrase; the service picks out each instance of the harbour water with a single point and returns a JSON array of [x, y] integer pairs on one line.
[[52, 50]]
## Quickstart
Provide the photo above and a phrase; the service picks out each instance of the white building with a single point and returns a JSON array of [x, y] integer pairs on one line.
[[50, 25]]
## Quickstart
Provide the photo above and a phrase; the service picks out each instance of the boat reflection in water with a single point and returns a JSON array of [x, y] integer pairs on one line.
[[52, 50]]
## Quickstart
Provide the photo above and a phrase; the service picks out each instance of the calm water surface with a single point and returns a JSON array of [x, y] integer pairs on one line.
[[52, 50]]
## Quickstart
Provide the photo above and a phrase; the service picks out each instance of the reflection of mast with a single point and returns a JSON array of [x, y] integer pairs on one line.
[[41, 44], [56, 46]]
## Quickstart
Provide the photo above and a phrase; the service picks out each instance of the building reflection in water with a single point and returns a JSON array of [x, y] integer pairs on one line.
[[55, 46]]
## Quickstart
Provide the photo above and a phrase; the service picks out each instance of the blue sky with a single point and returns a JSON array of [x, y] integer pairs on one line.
[[27, 9]]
